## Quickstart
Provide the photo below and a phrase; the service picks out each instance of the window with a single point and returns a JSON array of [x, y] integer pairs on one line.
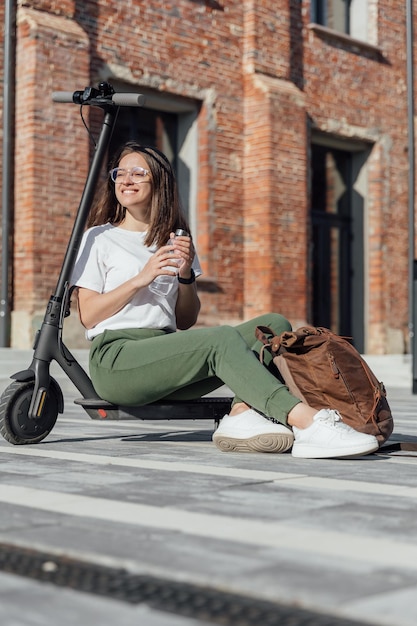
[[150, 127], [350, 17], [170, 124]]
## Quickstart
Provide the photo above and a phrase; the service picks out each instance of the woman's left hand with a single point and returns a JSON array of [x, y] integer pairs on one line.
[[184, 249]]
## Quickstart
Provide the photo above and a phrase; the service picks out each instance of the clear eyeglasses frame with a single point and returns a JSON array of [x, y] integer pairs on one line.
[[136, 174]]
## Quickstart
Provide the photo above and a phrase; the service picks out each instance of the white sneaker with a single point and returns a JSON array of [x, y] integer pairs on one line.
[[250, 432], [329, 437]]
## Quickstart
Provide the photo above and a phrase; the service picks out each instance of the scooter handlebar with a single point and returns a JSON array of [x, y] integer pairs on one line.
[[119, 99], [128, 99], [62, 96]]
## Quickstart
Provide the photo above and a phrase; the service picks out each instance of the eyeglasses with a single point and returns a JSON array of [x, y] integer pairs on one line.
[[136, 174]]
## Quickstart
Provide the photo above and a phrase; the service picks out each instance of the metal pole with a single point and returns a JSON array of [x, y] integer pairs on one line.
[[7, 178], [412, 270]]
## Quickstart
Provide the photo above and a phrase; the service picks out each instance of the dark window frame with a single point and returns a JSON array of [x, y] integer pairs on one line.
[[319, 14]]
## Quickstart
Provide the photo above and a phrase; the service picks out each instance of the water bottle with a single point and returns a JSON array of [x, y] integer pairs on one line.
[[162, 285]]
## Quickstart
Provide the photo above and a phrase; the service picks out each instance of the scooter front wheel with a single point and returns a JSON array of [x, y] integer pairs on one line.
[[15, 424]]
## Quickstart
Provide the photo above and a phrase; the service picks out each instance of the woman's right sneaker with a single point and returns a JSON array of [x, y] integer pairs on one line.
[[251, 432], [329, 437]]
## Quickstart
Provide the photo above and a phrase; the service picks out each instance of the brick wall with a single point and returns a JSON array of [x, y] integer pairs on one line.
[[51, 157], [265, 80], [360, 93]]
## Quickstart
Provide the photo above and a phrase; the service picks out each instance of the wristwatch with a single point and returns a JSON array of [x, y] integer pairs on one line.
[[187, 281]]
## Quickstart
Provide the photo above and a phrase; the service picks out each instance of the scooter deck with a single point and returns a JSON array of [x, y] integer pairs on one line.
[[208, 407]]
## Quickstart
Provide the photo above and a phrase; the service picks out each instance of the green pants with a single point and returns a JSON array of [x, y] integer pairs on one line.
[[138, 366]]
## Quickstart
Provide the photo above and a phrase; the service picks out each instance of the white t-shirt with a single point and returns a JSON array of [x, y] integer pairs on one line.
[[108, 257]]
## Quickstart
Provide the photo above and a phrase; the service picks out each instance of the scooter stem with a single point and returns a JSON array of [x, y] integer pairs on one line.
[[47, 343]]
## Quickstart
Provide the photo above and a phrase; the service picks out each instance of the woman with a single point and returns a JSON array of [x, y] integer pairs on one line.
[[137, 356]]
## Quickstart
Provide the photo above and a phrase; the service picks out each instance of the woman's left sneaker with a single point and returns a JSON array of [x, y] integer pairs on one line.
[[328, 437]]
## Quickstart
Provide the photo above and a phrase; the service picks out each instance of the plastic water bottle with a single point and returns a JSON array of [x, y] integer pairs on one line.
[[162, 285]]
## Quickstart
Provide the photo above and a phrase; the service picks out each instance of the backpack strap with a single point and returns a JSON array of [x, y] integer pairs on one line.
[[270, 341], [406, 446]]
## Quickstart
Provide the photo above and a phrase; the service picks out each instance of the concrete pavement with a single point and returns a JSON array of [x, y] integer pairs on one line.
[[336, 538]]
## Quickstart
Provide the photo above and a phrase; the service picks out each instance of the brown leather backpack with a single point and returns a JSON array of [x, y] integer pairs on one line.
[[326, 371]]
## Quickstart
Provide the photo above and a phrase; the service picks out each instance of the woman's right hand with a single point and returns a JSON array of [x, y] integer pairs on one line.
[[156, 266]]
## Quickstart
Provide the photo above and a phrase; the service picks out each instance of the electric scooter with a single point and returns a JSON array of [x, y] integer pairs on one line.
[[30, 405]]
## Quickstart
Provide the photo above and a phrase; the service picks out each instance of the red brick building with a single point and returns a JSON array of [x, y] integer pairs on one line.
[[287, 123]]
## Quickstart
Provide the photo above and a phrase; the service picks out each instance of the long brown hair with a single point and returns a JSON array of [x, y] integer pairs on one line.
[[165, 213]]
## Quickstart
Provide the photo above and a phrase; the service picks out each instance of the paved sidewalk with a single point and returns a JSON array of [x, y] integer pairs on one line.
[[337, 538]]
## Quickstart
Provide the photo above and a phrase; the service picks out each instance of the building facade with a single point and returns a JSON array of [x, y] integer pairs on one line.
[[287, 124]]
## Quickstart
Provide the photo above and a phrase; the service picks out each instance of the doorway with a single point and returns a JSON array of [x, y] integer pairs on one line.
[[338, 197]]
